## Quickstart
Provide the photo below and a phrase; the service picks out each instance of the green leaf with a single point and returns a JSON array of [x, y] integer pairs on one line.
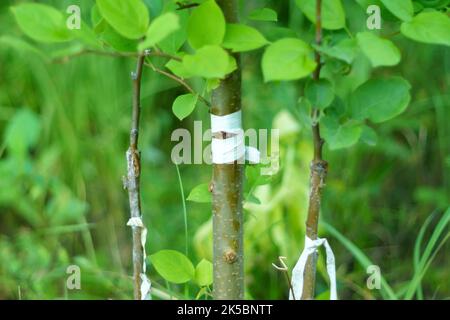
[[428, 27], [129, 18], [381, 52], [160, 29], [200, 194], [320, 93], [22, 132], [263, 14], [173, 266], [287, 59], [206, 25], [178, 69], [344, 50], [333, 14], [173, 42], [184, 105], [239, 38], [339, 136], [86, 36], [380, 99], [208, 62], [118, 42], [41, 22], [369, 136], [402, 9], [204, 273], [304, 112]]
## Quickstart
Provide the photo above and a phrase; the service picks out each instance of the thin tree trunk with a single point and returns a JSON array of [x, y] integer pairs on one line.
[[227, 190], [132, 182], [319, 169]]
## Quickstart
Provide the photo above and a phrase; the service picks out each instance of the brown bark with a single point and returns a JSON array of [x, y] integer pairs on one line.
[[226, 190], [319, 170], [132, 181]]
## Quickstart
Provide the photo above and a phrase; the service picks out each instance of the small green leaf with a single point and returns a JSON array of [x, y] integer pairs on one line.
[[251, 198], [118, 42], [173, 42], [22, 132], [41, 22], [339, 136], [129, 18], [184, 105], [402, 9], [208, 62], [160, 29], [200, 194], [86, 36], [428, 27], [380, 99], [239, 38], [287, 59], [320, 93], [206, 25], [333, 14], [304, 112], [204, 273], [344, 50], [263, 14], [173, 266], [381, 52], [178, 69], [369, 136]]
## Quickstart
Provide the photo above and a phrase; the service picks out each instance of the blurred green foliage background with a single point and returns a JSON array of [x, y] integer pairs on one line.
[[64, 132]]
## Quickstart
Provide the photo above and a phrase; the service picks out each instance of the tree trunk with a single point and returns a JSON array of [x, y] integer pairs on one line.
[[227, 190]]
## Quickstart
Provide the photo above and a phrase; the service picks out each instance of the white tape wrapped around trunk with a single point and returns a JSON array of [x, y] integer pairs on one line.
[[299, 269], [233, 147], [146, 285]]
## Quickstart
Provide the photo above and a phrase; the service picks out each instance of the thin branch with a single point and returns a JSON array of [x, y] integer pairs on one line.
[[186, 5], [179, 80], [319, 170], [132, 181], [146, 53]]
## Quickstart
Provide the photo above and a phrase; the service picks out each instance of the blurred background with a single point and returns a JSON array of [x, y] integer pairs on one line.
[[63, 135]]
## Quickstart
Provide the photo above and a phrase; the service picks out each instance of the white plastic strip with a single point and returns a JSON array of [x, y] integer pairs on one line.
[[146, 285], [232, 148], [297, 274]]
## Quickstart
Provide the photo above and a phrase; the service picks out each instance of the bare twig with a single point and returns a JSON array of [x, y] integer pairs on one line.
[[132, 181]]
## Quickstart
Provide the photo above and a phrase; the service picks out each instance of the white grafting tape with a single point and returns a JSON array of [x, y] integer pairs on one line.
[[297, 274], [231, 148], [146, 285]]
